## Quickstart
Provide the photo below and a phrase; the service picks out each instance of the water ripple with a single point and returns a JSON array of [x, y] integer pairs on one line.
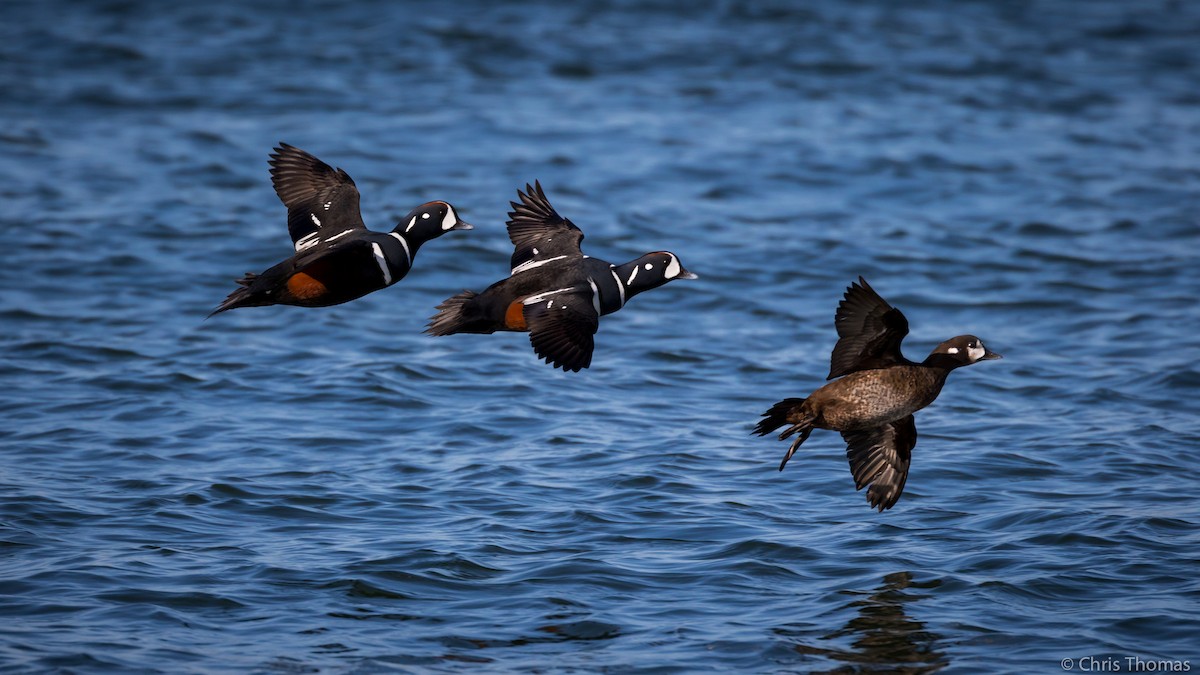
[[282, 490]]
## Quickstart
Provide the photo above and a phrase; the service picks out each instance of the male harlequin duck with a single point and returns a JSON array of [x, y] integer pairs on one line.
[[555, 292], [337, 258], [873, 404]]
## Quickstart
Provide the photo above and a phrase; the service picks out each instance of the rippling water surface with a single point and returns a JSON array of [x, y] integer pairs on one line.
[[287, 490]]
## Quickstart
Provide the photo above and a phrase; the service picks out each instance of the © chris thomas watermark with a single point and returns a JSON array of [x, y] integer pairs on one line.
[[1126, 664]]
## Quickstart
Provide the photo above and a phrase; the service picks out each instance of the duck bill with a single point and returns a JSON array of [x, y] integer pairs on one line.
[[462, 225], [989, 355], [684, 274]]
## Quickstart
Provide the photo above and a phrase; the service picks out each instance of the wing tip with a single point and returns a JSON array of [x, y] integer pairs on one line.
[[568, 365], [567, 347], [883, 499], [858, 286], [575, 359], [283, 152], [533, 215], [534, 197]]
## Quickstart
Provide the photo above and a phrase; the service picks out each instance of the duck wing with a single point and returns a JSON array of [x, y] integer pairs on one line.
[[869, 332], [322, 202], [880, 458], [538, 233], [561, 325]]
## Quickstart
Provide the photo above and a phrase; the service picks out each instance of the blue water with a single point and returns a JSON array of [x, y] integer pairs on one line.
[[281, 490]]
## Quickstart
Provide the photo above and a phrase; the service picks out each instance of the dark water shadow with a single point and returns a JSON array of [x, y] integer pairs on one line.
[[883, 637]]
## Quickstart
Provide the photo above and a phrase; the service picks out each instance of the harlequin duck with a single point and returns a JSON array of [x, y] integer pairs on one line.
[[554, 292], [337, 258], [879, 390]]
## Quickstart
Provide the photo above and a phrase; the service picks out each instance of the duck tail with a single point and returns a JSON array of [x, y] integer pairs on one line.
[[452, 316], [240, 297], [778, 415], [788, 411]]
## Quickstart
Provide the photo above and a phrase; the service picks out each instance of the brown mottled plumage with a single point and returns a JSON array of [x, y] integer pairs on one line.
[[872, 405]]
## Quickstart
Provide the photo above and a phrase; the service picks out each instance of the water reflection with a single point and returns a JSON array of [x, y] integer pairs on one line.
[[882, 635]]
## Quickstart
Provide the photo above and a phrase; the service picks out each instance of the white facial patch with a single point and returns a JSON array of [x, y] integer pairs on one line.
[[413, 222], [649, 267], [450, 219], [952, 350], [424, 216], [975, 353], [673, 268]]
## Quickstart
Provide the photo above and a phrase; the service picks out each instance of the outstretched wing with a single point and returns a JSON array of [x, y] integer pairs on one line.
[[869, 332], [538, 232], [561, 325], [322, 202], [880, 458]]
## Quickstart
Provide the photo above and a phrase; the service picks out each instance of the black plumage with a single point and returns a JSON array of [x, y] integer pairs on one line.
[[554, 291], [873, 402], [336, 259]]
